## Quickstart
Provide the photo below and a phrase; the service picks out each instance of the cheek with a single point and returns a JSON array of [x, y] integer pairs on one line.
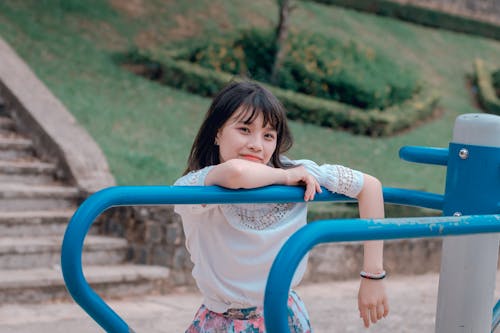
[[270, 148], [223, 155], [227, 150]]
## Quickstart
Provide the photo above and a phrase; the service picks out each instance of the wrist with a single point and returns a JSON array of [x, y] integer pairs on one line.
[[379, 275], [283, 176], [373, 266]]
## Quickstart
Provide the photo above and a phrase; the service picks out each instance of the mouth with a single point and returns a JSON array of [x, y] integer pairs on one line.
[[252, 158]]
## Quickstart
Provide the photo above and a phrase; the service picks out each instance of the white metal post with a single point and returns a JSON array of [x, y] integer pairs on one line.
[[469, 263]]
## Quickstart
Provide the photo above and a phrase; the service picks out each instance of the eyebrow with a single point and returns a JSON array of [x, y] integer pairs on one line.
[[268, 126]]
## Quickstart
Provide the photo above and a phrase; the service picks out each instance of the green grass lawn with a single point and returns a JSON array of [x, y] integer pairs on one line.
[[146, 130]]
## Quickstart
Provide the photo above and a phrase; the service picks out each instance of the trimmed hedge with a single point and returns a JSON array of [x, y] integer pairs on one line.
[[496, 81], [421, 15], [486, 91], [316, 65], [196, 79], [358, 121]]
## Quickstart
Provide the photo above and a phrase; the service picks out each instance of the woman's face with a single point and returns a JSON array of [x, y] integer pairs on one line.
[[250, 141]]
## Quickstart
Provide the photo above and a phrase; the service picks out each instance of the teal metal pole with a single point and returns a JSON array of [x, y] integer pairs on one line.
[[72, 247], [292, 252], [469, 264]]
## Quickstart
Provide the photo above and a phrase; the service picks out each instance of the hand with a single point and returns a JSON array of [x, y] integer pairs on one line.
[[300, 176], [372, 301]]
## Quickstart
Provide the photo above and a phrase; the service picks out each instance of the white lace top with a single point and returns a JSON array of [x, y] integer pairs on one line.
[[233, 246]]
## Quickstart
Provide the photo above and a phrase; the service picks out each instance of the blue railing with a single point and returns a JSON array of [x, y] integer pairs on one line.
[[294, 249], [97, 203], [285, 264]]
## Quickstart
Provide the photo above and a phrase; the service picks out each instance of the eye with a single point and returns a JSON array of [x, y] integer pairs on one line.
[[270, 136], [244, 129]]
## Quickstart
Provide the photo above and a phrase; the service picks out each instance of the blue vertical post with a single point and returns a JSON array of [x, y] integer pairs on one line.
[[469, 263]]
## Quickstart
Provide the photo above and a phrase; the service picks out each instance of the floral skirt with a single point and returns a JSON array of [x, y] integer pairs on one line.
[[249, 320]]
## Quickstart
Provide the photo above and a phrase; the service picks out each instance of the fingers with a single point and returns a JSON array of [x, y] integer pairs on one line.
[[364, 313], [300, 176], [310, 191], [372, 313], [312, 186], [318, 187], [386, 307], [380, 311]]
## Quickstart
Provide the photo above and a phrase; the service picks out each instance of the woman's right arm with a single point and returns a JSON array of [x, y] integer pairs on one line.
[[239, 173]]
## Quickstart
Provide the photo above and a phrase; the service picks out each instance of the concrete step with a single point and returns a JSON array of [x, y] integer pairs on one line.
[[8, 133], [13, 148], [11, 134], [32, 252], [6, 124], [46, 284], [24, 197], [34, 223], [2, 106], [26, 172]]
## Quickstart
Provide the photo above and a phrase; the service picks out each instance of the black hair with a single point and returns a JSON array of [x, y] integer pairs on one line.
[[254, 100]]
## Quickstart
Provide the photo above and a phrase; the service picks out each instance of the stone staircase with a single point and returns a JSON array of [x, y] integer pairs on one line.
[[35, 207]]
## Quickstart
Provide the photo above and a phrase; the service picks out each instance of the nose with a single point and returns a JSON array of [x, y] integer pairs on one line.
[[254, 143]]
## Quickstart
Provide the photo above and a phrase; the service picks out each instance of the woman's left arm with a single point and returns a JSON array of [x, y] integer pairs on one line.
[[372, 298]]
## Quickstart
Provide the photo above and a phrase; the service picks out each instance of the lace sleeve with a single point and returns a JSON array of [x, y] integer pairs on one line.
[[194, 178], [343, 180], [336, 178]]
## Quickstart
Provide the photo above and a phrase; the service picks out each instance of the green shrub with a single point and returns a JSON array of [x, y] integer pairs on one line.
[[495, 78], [251, 54], [315, 65], [222, 56], [195, 79], [372, 122], [206, 82], [485, 89]]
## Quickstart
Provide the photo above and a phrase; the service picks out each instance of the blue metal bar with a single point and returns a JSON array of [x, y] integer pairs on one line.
[[473, 183], [97, 203], [413, 198], [426, 155], [292, 252], [496, 316]]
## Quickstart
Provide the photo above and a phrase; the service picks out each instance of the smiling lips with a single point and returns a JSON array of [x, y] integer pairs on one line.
[[252, 158]]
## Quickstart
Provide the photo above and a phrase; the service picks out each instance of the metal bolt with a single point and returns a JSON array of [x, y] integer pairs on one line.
[[463, 153], [457, 214]]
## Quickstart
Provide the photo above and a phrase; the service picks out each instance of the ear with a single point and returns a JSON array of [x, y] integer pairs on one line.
[[216, 140]]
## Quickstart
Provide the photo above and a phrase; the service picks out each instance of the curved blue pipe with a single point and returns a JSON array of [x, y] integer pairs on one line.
[[90, 209], [426, 155], [496, 316], [413, 198], [295, 248]]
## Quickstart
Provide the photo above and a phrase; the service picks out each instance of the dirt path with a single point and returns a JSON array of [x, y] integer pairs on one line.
[[332, 307]]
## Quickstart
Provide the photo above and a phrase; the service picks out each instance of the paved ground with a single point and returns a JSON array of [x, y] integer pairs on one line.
[[332, 307]]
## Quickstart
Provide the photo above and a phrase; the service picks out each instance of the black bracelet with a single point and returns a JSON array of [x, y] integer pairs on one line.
[[373, 276]]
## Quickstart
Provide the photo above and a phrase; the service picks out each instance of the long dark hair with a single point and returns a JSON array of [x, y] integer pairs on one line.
[[255, 100]]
